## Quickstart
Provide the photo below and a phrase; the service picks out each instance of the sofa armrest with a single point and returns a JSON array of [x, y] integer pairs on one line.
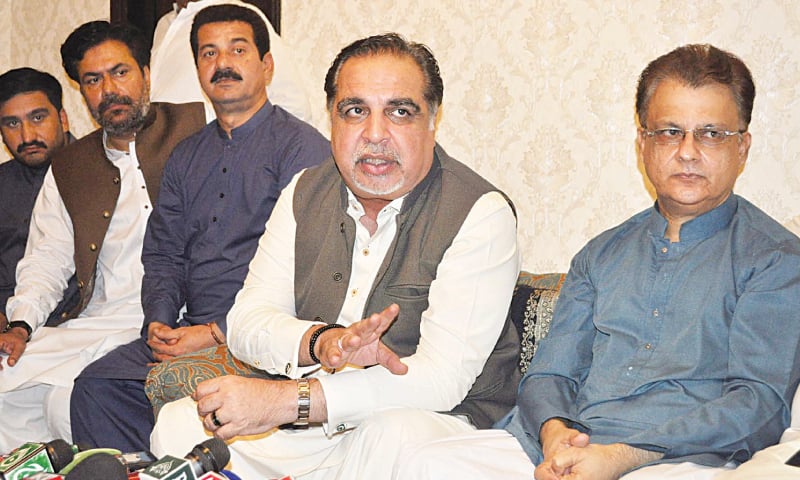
[[531, 311]]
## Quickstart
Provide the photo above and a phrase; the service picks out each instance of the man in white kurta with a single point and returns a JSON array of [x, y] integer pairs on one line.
[[365, 228], [36, 377]]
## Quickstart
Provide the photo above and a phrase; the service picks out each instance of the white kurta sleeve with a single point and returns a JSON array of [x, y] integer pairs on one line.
[[44, 271]]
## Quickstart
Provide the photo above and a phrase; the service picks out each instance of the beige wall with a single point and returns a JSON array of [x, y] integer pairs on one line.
[[538, 94]]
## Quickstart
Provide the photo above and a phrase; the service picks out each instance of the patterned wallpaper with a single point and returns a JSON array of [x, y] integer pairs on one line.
[[538, 93]]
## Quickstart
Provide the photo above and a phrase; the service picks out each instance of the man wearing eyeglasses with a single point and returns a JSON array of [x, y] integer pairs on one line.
[[673, 346]]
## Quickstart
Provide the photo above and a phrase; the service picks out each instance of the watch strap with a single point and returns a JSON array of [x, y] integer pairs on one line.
[[303, 403]]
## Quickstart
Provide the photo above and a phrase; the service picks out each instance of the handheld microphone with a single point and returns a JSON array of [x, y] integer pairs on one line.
[[100, 466], [32, 458], [209, 456]]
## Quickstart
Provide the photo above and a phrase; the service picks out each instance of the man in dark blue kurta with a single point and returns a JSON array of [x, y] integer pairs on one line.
[[33, 124], [217, 191]]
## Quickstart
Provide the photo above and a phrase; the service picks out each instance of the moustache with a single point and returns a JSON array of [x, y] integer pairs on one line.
[[112, 99], [371, 151], [225, 73], [35, 143]]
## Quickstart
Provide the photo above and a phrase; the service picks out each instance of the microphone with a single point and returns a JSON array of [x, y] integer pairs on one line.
[[32, 458], [209, 456], [100, 466]]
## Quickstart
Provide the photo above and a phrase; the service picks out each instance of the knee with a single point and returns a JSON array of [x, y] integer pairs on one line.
[[177, 426], [395, 423], [402, 426], [88, 389]]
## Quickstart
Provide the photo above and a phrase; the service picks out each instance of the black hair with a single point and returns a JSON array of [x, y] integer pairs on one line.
[[26, 80], [395, 44], [231, 13], [91, 34], [698, 65]]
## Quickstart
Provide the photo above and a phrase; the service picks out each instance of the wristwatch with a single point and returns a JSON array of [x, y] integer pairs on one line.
[[20, 324], [303, 403]]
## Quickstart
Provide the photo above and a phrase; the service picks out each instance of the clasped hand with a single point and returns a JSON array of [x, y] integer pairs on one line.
[[167, 342], [570, 455], [360, 344]]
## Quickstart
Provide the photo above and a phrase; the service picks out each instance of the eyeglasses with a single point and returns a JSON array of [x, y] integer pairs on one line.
[[710, 137]]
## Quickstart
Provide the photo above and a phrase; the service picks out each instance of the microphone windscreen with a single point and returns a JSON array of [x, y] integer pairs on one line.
[[60, 453], [213, 454], [100, 466]]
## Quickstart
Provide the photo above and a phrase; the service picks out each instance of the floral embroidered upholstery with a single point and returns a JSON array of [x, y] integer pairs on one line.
[[531, 310]]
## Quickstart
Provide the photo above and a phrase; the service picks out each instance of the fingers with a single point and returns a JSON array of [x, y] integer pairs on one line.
[[544, 472], [391, 361], [334, 353], [579, 440], [160, 333], [377, 323], [204, 389], [162, 357], [214, 423], [562, 462], [14, 347]]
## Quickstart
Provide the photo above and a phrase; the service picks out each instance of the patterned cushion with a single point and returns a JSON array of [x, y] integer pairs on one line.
[[178, 378], [531, 310]]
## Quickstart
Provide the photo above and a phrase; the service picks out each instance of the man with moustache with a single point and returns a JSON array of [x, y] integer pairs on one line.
[[673, 349], [89, 220], [33, 125], [173, 78], [217, 191], [393, 256]]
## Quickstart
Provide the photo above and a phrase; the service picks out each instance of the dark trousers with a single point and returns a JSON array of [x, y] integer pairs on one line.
[[109, 407]]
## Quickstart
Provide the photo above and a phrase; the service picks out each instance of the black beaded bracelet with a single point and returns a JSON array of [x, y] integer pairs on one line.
[[315, 336]]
